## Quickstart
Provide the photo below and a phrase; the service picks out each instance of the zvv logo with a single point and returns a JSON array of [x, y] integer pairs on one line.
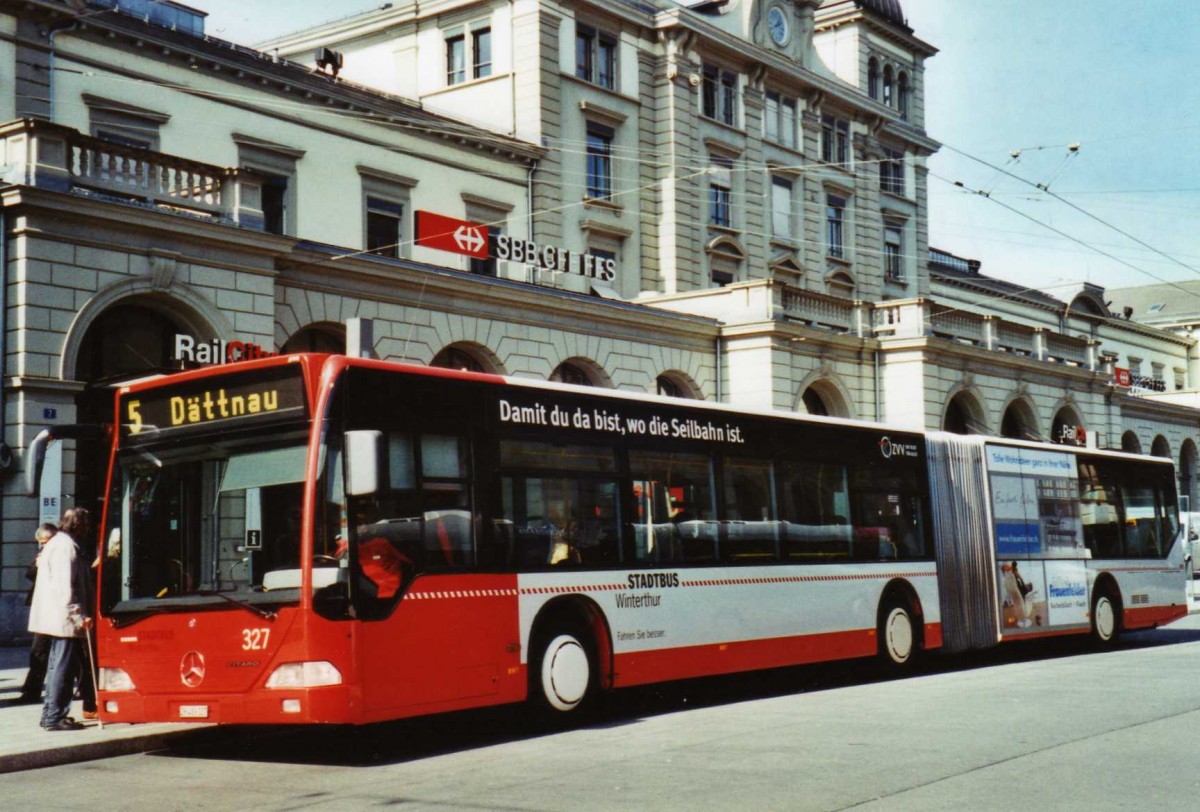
[[891, 449]]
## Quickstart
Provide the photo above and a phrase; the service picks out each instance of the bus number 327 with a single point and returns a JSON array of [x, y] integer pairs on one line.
[[255, 639]]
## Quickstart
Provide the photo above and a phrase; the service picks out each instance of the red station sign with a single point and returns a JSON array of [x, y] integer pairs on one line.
[[450, 234]]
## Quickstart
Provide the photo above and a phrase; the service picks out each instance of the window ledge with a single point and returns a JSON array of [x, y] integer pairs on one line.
[[604, 115], [841, 169], [841, 262], [777, 144], [468, 83], [896, 196], [728, 231], [605, 203], [733, 128], [608, 91]]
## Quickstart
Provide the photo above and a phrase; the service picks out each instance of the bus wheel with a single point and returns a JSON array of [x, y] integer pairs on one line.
[[563, 676], [1106, 617], [897, 635]]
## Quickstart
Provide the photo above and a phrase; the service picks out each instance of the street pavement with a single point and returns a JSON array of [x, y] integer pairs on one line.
[[25, 746]]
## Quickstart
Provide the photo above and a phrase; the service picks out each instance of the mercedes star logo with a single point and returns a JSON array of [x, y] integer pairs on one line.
[[191, 669]]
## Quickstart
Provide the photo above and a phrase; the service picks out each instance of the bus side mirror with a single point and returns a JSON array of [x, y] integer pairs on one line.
[[364, 457]]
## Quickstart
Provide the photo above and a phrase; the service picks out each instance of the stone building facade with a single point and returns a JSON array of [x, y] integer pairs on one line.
[[741, 188]]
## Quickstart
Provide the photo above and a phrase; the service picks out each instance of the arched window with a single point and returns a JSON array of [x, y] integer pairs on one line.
[[956, 419], [1131, 443], [1188, 459], [873, 78], [323, 337], [1161, 447], [125, 340], [668, 388], [814, 403], [1018, 422], [902, 95], [454, 358], [964, 415], [567, 372], [887, 85], [1068, 428], [725, 257]]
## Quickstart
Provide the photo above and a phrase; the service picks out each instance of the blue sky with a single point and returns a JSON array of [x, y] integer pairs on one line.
[[1116, 78]]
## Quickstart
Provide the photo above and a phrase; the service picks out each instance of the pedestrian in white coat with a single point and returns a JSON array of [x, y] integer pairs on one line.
[[61, 610]]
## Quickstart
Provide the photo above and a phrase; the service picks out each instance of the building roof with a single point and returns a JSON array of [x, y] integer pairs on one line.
[[1172, 304], [945, 267], [888, 10]]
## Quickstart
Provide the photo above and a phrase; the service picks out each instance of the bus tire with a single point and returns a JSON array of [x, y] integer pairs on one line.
[[564, 675], [899, 642], [1106, 617]]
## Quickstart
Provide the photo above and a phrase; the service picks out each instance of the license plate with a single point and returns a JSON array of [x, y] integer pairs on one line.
[[193, 711]]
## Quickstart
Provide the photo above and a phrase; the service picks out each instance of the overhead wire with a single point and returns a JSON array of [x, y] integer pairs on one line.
[[448, 127]]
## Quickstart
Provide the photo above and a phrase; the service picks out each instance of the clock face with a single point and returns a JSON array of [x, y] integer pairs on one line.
[[778, 25]]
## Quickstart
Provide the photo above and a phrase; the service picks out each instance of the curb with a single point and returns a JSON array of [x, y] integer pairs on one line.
[[91, 751]]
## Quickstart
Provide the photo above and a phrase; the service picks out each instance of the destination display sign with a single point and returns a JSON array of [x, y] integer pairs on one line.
[[222, 402]]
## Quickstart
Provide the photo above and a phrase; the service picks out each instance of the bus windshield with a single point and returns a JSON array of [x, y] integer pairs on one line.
[[211, 520]]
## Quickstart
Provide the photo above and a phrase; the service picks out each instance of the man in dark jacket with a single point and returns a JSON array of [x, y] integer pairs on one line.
[[39, 651]]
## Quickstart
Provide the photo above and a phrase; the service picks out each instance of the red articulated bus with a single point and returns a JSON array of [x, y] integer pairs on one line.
[[322, 539]]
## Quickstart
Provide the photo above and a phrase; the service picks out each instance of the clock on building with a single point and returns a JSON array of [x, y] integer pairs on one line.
[[777, 24]]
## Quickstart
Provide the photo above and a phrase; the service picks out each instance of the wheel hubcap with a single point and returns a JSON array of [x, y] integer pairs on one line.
[[899, 635], [1106, 620], [565, 673]]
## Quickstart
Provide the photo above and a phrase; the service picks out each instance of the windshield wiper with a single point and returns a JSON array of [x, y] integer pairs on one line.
[[258, 610]]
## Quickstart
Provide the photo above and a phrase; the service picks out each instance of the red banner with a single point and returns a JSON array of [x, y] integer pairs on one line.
[[1121, 377], [449, 234]]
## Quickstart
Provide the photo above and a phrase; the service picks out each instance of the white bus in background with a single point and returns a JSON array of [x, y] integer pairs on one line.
[[1191, 546]]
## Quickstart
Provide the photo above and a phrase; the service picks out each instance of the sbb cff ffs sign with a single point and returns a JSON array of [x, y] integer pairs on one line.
[[451, 234], [464, 237]]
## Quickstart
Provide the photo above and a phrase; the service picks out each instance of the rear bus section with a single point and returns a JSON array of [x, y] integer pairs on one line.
[[1035, 541]]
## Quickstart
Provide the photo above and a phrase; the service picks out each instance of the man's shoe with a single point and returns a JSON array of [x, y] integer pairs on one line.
[[64, 724], [90, 715]]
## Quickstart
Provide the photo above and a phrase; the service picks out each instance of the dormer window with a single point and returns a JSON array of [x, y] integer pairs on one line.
[[887, 85], [873, 78]]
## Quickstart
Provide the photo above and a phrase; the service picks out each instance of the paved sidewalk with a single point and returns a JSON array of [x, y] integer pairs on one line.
[[25, 746]]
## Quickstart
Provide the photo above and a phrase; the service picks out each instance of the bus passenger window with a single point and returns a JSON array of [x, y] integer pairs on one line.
[[1098, 503], [559, 521], [888, 526], [814, 504], [751, 531], [428, 478], [1142, 536], [674, 519], [559, 505]]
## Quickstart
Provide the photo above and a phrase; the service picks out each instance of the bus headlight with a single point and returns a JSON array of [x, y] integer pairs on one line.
[[114, 679], [304, 675]]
